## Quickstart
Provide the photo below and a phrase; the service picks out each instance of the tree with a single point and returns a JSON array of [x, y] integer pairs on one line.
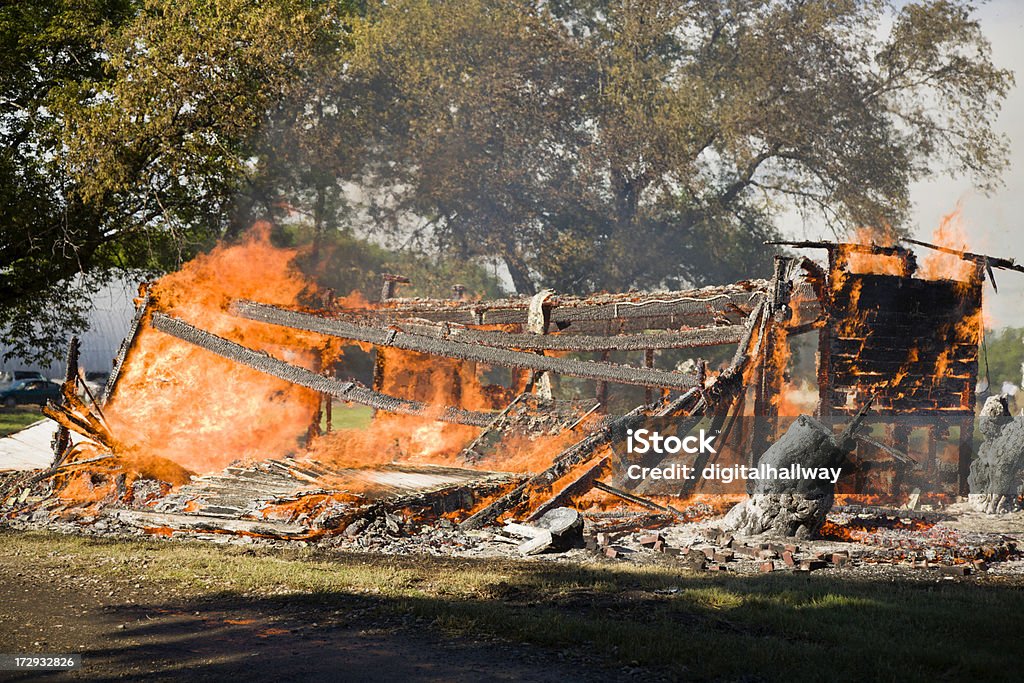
[[587, 144], [48, 234], [1002, 357], [622, 143], [141, 132]]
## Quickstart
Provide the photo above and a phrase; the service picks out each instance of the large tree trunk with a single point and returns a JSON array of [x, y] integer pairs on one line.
[[785, 507], [520, 275], [996, 480]]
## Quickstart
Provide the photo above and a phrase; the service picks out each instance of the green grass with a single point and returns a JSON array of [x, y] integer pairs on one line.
[[19, 418], [348, 417], [769, 627]]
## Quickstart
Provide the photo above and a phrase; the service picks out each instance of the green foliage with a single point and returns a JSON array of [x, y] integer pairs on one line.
[[48, 234], [345, 264], [138, 133], [585, 144], [1003, 352]]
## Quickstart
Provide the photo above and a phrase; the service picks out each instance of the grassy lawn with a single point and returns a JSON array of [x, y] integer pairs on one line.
[[348, 417], [770, 627], [13, 420]]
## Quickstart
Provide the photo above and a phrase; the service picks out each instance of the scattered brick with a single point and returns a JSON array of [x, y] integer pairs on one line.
[[650, 539], [840, 560], [813, 565], [954, 570]]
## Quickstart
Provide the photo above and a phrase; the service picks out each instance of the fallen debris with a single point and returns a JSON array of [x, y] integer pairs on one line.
[[795, 508]]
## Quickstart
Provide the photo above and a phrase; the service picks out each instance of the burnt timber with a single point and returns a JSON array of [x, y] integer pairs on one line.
[[628, 311], [685, 339]]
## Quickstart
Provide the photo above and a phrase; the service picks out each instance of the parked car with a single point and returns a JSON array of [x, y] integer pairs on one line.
[[27, 374], [30, 391]]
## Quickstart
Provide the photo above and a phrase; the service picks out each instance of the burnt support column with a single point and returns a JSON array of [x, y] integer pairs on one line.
[[537, 322], [649, 363], [62, 439], [390, 282]]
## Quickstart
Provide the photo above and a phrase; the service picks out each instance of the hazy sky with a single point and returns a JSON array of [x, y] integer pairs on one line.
[[994, 224]]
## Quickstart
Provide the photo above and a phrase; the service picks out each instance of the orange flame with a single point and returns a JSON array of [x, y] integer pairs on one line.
[[185, 404], [940, 266]]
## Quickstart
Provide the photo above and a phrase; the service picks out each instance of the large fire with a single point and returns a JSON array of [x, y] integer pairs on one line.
[[201, 411], [180, 409]]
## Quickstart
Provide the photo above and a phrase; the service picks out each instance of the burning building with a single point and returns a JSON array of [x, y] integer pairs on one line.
[[223, 370]]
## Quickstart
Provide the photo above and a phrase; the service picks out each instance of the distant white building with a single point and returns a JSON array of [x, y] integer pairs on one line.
[[109, 321]]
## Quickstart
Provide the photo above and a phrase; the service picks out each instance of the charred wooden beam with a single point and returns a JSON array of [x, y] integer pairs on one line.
[[981, 259], [686, 339], [399, 339], [636, 500], [656, 309], [578, 486], [188, 522], [346, 391], [141, 309], [577, 454], [882, 250]]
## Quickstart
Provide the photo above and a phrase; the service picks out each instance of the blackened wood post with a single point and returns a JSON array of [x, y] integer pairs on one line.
[[141, 309], [62, 439], [648, 363], [825, 340], [966, 452]]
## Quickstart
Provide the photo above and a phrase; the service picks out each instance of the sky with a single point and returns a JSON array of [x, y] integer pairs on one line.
[[994, 224]]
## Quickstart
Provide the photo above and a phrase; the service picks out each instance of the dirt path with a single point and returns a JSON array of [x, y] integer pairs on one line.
[[139, 629]]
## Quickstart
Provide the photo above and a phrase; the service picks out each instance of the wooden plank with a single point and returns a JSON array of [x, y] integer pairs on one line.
[[635, 499], [686, 339], [664, 310], [577, 487]]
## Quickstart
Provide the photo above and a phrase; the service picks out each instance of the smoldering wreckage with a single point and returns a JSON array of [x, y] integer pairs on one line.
[[217, 419]]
